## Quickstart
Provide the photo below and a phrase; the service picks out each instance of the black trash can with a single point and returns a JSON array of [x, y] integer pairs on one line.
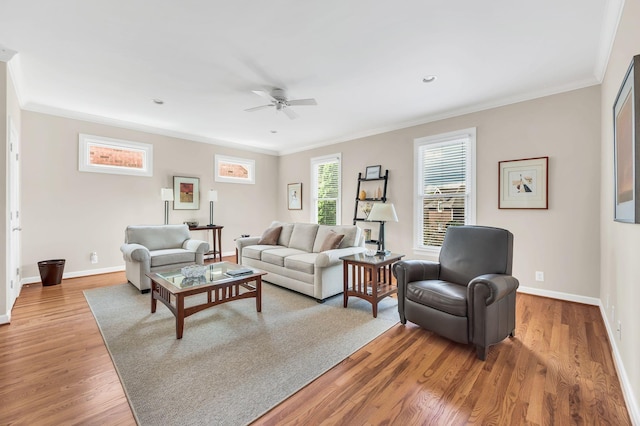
[[51, 271]]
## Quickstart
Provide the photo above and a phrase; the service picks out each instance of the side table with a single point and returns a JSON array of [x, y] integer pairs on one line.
[[216, 239], [370, 277]]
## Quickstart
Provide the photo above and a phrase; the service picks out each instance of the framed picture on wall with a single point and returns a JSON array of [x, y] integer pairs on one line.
[[294, 196], [186, 193], [626, 116], [523, 184], [373, 172]]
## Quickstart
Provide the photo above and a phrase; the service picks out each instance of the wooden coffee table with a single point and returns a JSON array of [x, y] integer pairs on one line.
[[171, 288], [370, 276]]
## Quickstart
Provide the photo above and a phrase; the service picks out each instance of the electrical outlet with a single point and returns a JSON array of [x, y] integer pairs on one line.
[[613, 313], [619, 330], [539, 276], [94, 257]]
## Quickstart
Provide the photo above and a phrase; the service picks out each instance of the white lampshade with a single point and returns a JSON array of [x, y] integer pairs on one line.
[[166, 194], [213, 195], [384, 212]]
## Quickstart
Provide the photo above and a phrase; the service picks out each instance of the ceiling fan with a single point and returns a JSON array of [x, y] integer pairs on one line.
[[279, 100]]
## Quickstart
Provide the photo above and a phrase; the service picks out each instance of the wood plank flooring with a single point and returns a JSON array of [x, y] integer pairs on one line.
[[55, 369]]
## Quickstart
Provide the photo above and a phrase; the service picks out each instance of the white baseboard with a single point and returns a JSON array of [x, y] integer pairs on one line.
[[627, 390], [560, 295], [5, 319], [76, 274]]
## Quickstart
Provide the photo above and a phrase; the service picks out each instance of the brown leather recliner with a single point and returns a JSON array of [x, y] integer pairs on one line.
[[469, 296]]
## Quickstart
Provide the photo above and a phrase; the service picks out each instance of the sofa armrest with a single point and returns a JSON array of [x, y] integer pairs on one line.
[[135, 253], [197, 246], [332, 257]]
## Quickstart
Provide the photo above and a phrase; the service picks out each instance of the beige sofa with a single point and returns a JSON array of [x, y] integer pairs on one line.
[[296, 260]]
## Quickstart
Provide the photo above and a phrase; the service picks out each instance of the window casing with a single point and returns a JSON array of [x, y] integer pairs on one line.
[[444, 187], [326, 184]]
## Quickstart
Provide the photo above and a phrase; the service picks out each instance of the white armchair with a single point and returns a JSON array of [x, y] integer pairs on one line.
[[151, 247]]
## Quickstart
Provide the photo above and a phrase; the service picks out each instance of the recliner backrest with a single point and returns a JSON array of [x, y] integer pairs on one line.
[[470, 251]]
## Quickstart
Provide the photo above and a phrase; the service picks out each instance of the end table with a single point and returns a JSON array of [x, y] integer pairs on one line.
[[370, 277]]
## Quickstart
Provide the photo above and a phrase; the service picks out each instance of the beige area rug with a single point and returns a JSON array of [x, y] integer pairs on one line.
[[233, 364]]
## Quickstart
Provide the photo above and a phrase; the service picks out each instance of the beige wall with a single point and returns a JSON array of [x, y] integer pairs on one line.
[[68, 213], [620, 290], [563, 241]]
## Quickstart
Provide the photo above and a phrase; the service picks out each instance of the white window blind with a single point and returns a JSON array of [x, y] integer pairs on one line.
[[444, 182], [326, 178]]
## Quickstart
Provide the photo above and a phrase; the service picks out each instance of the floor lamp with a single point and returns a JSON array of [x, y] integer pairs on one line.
[[213, 196], [167, 195], [382, 212]]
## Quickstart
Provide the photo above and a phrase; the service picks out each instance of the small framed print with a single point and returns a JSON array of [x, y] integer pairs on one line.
[[523, 184], [373, 172], [294, 196], [186, 193]]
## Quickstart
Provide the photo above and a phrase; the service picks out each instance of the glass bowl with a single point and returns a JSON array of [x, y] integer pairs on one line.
[[192, 271]]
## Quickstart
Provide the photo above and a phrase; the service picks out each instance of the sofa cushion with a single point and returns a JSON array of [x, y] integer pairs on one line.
[[270, 236], [332, 241], [285, 235], [276, 256], [157, 237], [171, 256], [255, 252], [303, 236], [351, 236], [301, 262]]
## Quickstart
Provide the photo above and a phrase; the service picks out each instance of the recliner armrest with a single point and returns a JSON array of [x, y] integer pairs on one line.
[[407, 271], [135, 253], [491, 287], [197, 246]]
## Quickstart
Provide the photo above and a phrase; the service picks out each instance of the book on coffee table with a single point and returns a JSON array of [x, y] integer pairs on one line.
[[238, 272]]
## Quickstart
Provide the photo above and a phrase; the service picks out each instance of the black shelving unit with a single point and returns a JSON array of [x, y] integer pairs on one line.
[[383, 199]]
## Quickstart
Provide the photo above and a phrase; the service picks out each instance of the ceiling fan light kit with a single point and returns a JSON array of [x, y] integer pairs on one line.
[[278, 99]]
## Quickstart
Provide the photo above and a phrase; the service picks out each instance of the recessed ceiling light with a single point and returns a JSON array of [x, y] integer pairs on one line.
[[158, 101], [429, 79], [274, 131]]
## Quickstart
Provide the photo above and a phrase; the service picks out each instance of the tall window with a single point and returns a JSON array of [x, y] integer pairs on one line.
[[445, 186], [325, 181]]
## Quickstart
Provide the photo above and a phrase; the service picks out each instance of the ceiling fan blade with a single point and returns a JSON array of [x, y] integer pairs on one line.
[[290, 113], [258, 108], [302, 102], [265, 95]]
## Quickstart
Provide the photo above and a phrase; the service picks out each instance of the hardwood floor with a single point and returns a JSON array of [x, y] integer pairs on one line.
[[55, 369]]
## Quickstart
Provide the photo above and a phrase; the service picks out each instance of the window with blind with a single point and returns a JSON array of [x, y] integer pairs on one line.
[[445, 186], [326, 184]]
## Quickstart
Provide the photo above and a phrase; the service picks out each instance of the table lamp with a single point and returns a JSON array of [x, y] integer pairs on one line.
[[213, 196], [167, 195], [382, 212]]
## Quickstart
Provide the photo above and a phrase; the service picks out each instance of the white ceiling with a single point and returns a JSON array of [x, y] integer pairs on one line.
[[362, 60]]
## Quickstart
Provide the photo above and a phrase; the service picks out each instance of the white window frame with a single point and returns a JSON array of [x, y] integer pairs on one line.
[[247, 163], [470, 196], [85, 142], [316, 161]]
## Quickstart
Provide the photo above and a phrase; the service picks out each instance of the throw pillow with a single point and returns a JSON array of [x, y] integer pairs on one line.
[[332, 241], [270, 236]]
